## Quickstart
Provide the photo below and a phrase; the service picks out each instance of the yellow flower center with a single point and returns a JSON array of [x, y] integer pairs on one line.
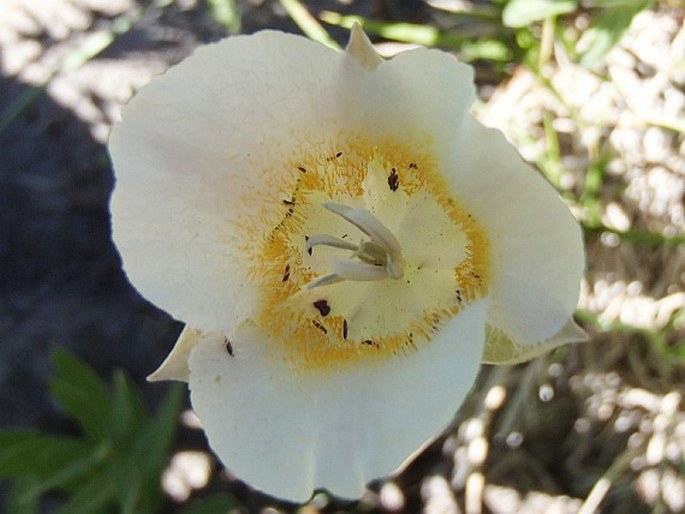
[[371, 256]]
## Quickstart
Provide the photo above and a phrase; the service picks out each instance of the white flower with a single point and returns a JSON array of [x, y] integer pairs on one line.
[[341, 238]]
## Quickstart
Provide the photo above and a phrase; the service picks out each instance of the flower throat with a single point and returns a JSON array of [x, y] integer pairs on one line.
[[416, 258]]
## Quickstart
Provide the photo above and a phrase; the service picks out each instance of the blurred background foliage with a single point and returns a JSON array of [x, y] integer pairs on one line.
[[597, 427], [114, 461]]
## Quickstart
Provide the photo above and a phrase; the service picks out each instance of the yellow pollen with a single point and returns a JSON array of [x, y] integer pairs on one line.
[[372, 255]]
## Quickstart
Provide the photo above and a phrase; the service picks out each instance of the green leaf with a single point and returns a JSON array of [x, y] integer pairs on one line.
[[414, 33], [128, 412], [81, 393], [151, 448], [128, 485], [612, 3], [93, 496], [116, 468], [487, 49], [521, 13], [37, 454], [551, 162], [225, 13], [219, 503], [9, 438], [69, 474], [152, 445], [607, 30], [308, 23], [16, 491]]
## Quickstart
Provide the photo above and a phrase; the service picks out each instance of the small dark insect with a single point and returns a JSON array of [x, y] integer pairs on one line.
[[286, 272], [303, 170], [413, 165], [309, 250], [345, 329], [320, 326], [323, 307], [288, 202], [228, 346], [338, 154], [393, 180]]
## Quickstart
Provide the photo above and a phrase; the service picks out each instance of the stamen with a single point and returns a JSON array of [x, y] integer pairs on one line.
[[326, 240], [380, 258], [358, 271], [333, 278], [367, 223]]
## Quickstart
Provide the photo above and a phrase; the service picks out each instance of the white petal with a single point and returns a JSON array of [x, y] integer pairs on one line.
[[202, 157], [417, 98], [536, 243], [290, 433]]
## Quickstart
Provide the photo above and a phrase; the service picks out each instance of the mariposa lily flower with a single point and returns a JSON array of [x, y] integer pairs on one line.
[[345, 244]]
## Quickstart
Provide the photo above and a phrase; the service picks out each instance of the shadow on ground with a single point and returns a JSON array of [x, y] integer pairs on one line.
[[61, 282]]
